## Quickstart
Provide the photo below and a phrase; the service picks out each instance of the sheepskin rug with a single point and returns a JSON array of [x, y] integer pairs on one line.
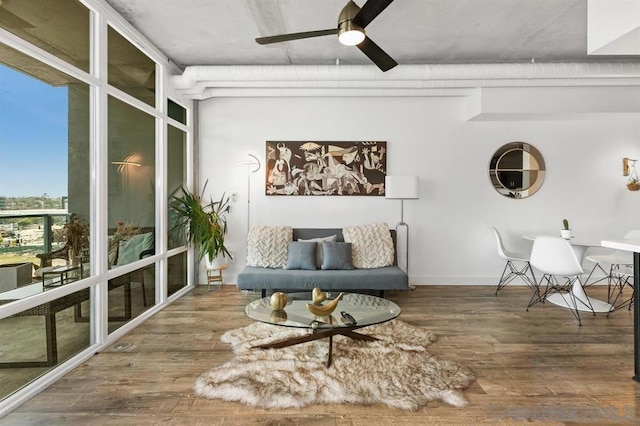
[[397, 370]]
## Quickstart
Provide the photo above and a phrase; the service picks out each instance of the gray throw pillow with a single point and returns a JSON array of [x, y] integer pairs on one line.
[[319, 256], [301, 255], [337, 255]]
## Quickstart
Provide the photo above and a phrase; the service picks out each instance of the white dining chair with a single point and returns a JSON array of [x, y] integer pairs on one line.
[[617, 260], [554, 257], [517, 265]]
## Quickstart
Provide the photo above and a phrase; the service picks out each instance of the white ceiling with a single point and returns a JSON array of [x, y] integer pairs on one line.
[[222, 32]]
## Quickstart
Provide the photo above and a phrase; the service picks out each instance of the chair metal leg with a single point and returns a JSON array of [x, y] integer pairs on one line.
[[574, 311], [502, 282], [606, 277], [578, 293], [623, 281], [514, 272], [537, 297]]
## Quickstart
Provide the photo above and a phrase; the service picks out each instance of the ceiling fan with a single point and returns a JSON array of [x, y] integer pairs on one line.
[[351, 24]]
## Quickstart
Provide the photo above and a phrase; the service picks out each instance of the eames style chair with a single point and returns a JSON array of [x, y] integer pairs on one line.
[[561, 269], [617, 260], [517, 265]]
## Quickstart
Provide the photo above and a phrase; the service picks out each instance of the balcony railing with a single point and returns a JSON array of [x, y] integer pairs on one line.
[[40, 239]]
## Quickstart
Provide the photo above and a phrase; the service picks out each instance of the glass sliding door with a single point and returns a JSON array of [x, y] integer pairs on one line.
[[59, 27], [176, 178], [44, 178], [130, 70], [131, 211], [38, 339]]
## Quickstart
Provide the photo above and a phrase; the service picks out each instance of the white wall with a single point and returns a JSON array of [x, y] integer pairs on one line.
[[451, 241]]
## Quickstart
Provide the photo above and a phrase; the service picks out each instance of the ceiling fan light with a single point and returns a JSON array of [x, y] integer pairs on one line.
[[350, 34], [351, 38]]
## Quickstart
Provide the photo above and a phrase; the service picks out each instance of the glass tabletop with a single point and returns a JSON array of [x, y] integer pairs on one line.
[[365, 309]]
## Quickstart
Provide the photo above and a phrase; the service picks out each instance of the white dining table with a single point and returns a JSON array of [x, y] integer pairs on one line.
[[634, 247]]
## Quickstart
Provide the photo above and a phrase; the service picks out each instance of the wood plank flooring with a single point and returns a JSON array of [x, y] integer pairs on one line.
[[536, 365]]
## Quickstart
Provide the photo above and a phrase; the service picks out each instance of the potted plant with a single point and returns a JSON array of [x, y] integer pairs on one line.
[[76, 234], [565, 232], [203, 224], [633, 184]]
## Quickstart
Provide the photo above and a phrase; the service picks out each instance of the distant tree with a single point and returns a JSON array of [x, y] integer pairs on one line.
[[25, 222]]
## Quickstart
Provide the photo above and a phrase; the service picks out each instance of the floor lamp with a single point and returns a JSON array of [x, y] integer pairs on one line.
[[402, 188], [253, 165]]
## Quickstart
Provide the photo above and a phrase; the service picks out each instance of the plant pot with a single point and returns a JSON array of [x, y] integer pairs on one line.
[[565, 233], [217, 262], [633, 186]]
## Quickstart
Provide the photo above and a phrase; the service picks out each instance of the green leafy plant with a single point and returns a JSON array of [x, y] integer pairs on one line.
[[565, 224], [204, 225]]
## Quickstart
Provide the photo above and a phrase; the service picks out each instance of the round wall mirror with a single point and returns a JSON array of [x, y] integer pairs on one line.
[[517, 170]]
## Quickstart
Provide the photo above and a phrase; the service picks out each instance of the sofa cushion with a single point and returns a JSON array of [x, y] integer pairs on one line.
[[301, 255], [267, 246], [336, 255], [319, 251], [130, 249], [388, 278], [372, 245]]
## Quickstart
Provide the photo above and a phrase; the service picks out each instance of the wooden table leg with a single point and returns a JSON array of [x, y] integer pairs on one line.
[[316, 335], [52, 348], [52, 339]]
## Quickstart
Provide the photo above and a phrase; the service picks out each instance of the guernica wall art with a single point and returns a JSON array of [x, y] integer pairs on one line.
[[326, 168]]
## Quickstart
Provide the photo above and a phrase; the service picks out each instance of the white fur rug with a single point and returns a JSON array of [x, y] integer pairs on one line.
[[397, 370]]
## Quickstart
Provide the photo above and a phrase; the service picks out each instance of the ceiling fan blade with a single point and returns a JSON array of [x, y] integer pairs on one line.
[[369, 11], [377, 55], [295, 36]]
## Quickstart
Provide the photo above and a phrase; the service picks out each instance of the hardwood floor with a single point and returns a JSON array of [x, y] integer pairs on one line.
[[536, 365]]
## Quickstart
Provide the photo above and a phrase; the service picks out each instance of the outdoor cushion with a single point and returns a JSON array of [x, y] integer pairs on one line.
[[130, 249]]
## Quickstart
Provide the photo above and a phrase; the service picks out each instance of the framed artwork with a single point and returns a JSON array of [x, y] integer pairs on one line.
[[325, 168]]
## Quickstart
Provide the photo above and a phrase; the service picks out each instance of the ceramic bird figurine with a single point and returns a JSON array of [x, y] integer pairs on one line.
[[323, 310], [318, 296]]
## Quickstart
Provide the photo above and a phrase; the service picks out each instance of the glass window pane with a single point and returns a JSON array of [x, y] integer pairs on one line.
[[130, 70], [177, 112], [60, 27], [38, 339], [176, 178], [177, 272], [44, 120], [130, 295], [132, 170]]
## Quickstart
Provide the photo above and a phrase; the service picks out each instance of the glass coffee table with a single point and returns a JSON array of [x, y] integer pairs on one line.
[[366, 310]]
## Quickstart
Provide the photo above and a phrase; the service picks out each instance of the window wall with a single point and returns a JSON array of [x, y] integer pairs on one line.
[[86, 251]]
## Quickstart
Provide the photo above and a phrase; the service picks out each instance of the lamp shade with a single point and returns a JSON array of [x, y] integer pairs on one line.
[[401, 187]]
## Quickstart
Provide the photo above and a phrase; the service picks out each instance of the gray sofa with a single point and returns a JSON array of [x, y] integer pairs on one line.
[[291, 280]]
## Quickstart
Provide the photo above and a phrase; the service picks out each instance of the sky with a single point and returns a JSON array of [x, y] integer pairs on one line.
[[33, 136]]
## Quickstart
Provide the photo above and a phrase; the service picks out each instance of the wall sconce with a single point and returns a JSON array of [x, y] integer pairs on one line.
[[128, 161], [629, 169]]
